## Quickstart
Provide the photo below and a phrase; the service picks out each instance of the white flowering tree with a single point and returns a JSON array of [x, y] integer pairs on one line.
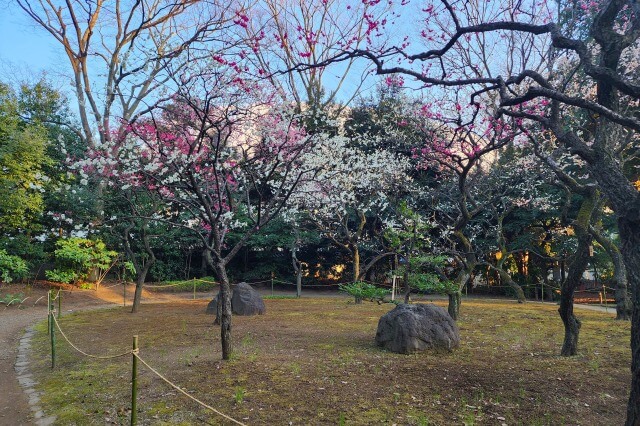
[[354, 182]]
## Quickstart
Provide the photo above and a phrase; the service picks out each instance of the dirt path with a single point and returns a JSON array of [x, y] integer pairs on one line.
[[14, 320], [14, 407]]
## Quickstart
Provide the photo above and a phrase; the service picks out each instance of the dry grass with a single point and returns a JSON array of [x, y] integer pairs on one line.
[[313, 361]]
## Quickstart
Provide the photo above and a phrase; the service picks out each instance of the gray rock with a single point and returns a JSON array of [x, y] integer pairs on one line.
[[212, 307], [416, 327], [246, 301]]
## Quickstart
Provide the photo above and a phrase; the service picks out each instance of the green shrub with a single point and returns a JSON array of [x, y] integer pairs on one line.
[[11, 267], [11, 298], [362, 290], [76, 258]]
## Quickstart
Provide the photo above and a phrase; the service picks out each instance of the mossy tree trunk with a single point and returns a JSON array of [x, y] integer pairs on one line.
[[578, 266], [623, 301]]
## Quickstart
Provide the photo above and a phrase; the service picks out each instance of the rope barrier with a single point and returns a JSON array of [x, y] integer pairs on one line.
[[166, 285], [13, 300], [55, 321], [204, 281], [179, 389]]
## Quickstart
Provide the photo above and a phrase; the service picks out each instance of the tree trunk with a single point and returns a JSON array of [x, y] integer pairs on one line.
[[356, 263], [571, 324], [299, 282], [454, 304], [623, 302], [567, 290], [624, 306], [576, 270], [405, 278], [225, 310], [455, 296], [630, 243], [137, 296], [505, 278]]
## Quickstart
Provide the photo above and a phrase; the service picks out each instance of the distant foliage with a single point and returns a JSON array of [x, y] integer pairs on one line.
[[11, 267], [361, 290], [75, 258]]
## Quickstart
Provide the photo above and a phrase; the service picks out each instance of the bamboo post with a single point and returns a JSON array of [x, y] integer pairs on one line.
[[272, 286], [52, 331], [124, 293], [604, 291], [134, 382], [59, 303], [542, 292], [49, 312], [194, 288]]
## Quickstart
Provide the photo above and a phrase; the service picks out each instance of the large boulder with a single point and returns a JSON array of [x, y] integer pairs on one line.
[[212, 307], [246, 301], [417, 327]]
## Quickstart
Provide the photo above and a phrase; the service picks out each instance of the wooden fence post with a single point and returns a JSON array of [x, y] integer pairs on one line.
[[134, 383], [49, 312], [53, 339]]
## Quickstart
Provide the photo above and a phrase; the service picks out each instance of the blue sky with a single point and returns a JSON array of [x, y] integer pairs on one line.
[[25, 50]]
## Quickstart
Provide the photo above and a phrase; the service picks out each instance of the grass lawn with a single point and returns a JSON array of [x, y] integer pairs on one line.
[[314, 361]]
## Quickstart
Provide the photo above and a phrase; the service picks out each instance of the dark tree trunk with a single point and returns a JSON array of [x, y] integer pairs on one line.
[[141, 276], [630, 243], [623, 301], [225, 310], [576, 270], [299, 282], [137, 296], [297, 265], [567, 290]]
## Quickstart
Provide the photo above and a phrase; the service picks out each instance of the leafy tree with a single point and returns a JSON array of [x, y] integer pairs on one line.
[[77, 258], [11, 267], [22, 160]]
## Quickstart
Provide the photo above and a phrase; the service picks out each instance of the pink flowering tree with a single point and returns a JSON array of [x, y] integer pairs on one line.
[[462, 153], [220, 157]]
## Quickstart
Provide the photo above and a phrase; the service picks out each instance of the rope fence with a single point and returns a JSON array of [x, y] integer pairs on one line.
[[185, 393], [120, 355], [135, 352]]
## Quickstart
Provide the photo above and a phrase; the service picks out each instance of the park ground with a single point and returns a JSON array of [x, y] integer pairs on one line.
[[314, 361]]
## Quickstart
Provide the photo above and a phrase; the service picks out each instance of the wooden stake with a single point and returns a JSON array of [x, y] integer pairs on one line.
[[134, 383], [49, 312], [52, 331]]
